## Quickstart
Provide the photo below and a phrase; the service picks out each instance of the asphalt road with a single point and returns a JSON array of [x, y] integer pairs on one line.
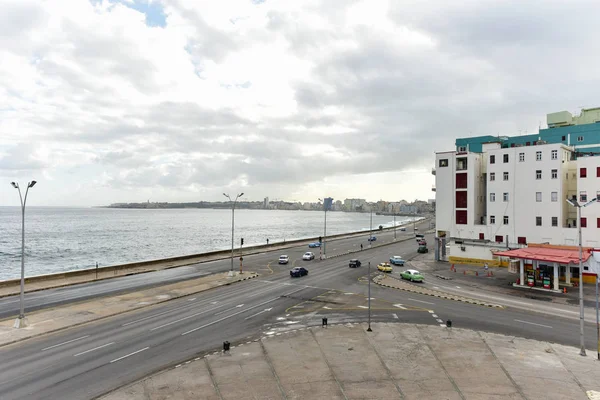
[[9, 306], [86, 361]]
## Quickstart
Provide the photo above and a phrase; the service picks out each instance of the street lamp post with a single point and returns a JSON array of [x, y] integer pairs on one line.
[[232, 225], [21, 321], [323, 245], [369, 328], [371, 227], [394, 226], [578, 205]]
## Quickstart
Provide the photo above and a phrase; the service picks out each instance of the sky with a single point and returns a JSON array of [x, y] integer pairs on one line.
[[108, 101]]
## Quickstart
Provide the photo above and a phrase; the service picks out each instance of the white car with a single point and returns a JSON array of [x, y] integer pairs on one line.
[[309, 255], [284, 259]]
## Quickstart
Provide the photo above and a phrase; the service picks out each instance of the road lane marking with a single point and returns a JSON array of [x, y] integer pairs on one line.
[[260, 312], [229, 309], [95, 348], [363, 307], [192, 299], [69, 341], [184, 318], [128, 355], [395, 316], [421, 301], [400, 306], [239, 312], [439, 320], [533, 323], [434, 315]]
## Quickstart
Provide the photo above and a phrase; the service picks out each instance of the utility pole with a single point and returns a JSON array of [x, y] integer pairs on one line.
[[232, 225], [369, 328]]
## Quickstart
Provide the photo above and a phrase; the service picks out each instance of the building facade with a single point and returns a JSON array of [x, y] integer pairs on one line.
[[499, 193]]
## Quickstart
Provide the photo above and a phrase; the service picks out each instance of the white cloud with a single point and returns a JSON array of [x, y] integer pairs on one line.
[[286, 99]]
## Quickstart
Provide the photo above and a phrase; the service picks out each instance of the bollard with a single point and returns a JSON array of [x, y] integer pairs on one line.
[[324, 321], [226, 346], [476, 273], [449, 324]]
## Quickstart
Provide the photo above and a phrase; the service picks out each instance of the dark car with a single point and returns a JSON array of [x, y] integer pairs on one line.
[[372, 239], [297, 272], [354, 263]]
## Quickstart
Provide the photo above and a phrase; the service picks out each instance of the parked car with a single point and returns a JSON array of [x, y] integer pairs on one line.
[[372, 239], [423, 249], [396, 260], [402, 229], [314, 244], [422, 242], [297, 272], [284, 259], [309, 255], [412, 275], [384, 267], [354, 263]]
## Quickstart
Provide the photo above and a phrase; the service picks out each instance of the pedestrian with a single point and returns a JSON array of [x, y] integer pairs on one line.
[[485, 266], [361, 247]]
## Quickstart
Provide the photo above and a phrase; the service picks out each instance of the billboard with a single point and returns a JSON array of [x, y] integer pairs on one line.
[[327, 203]]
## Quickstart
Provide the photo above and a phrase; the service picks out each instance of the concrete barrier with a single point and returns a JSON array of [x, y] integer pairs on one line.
[[179, 261]]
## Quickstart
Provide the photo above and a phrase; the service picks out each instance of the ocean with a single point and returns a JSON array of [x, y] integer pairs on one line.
[[64, 239]]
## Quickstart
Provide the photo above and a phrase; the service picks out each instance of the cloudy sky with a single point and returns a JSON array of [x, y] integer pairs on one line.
[[177, 100]]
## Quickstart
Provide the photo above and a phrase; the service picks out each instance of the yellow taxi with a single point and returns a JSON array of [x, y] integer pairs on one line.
[[384, 267]]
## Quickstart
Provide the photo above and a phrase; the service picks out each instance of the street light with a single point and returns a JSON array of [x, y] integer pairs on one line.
[[369, 328], [371, 227], [21, 321], [232, 225], [578, 205], [394, 226], [324, 229]]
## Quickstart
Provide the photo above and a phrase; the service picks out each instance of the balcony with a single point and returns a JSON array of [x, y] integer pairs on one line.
[[461, 164]]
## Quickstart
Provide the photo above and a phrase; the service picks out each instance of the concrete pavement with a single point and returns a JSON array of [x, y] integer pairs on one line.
[[395, 361]]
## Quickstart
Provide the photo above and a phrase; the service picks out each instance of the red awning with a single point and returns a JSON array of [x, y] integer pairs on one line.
[[561, 256]]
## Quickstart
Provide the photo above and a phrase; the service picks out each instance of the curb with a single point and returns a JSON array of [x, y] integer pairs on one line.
[[118, 313], [441, 295]]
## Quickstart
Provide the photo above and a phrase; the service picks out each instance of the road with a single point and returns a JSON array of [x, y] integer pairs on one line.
[[9, 306], [86, 361]]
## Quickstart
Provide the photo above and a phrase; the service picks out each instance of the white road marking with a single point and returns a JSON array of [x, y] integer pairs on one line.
[[192, 299], [431, 311], [533, 323], [395, 316], [400, 306], [239, 312], [458, 287], [229, 309], [434, 315], [130, 354], [69, 341], [421, 301], [95, 348], [363, 307], [435, 287], [443, 325], [184, 318], [260, 312], [439, 320]]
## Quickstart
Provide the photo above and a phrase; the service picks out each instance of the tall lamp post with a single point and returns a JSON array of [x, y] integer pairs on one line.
[[325, 204], [232, 225], [21, 321], [371, 227], [369, 328], [578, 205], [394, 226]]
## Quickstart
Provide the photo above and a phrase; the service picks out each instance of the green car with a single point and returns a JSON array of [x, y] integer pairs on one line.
[[423, 249], [412, 275]]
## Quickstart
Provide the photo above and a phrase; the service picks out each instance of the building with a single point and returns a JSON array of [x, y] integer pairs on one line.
[[497, 193], [266, 203]]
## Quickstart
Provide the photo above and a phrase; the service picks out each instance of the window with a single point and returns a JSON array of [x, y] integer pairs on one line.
[[481, 236], [493, 219], [554, 155], [538, 156], [583, 172], [554, 196], [521, 157], [505, 176], [583, 222], [492, 159], [505, 197], [538, 221], [554, 174], [538, 174], [538, 196], [461, 217], [499, 239], [597, 222], [564, 138], [461, 199], [528, 144], [492, 197], [461, 164], [583, 196], [444, 162], [597, 172], [461, 180], [462, 149], [554, 221], [506, 220], [505, 158], [580, 138], [492, 176], [598, 196], [522, 240]]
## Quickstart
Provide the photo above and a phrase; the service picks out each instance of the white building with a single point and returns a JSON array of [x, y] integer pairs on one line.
[[500, 193]]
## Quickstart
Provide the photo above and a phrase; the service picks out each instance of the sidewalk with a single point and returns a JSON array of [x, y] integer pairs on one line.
[[55, 319], [394, 361]]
